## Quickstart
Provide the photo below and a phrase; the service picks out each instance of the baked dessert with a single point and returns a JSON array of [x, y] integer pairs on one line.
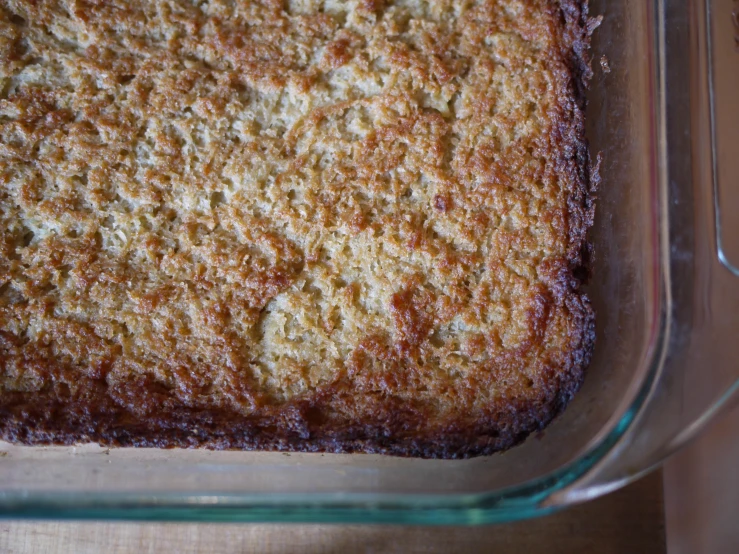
[[304, 225]]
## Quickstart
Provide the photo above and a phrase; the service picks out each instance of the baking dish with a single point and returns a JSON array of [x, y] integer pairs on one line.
[[665, 290]]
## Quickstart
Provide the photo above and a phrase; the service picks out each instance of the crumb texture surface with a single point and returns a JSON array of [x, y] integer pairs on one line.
[[306, 224]]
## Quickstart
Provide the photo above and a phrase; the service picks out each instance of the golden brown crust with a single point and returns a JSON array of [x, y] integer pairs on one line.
[[288, 225]]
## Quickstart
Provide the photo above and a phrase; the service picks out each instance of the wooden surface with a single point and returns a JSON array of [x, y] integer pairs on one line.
[[627, 521], [702, 491]]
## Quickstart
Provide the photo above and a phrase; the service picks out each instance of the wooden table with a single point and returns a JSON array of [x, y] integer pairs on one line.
[[702, 491], [627, 521]]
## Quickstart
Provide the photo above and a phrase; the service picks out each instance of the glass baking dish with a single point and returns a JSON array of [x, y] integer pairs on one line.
[[666, 294]]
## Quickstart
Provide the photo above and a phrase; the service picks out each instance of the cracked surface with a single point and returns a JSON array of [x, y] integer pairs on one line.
[[306, 224]]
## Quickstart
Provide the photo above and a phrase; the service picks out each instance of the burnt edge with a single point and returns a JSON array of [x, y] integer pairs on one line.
[[95, 416]]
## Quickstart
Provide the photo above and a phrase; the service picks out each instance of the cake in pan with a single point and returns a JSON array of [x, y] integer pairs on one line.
[[311, 225]]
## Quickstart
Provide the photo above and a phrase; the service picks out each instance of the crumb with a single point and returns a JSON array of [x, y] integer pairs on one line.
[[605, 66]]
